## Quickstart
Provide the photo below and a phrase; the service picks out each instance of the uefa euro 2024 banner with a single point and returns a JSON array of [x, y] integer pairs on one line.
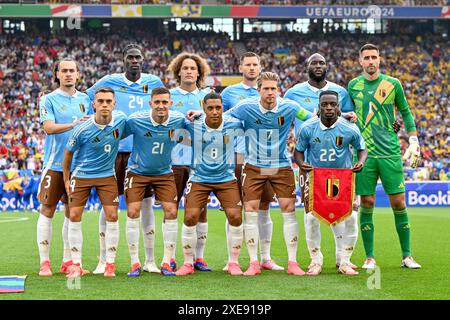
[[418, 194]]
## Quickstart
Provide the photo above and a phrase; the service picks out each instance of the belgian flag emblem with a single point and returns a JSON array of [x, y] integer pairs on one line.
[[171, 133], [339, 141], [226, 139], [332, 188], [82, 108], [116, 133], [145, 88], [280, 121]]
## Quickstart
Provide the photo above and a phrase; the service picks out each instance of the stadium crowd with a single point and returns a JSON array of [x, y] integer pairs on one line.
[[421, 64]]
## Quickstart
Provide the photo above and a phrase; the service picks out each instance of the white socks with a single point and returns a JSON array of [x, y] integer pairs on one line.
[[189, 241], [148, 228], [76, 241], [132, 235], [44, 237], [313, 238], [350, 237], [236, 235], [202, 234], [111, 240], [251, 234], [265, 227], [170, 232], [65, 236], [339, 231], [290, 231], [101, 233]]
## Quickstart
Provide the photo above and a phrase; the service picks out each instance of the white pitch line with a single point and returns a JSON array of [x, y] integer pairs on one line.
[[12, 219]]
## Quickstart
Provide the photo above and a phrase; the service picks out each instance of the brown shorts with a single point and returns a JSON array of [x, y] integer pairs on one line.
[[121, 168], [163, 186], [302, 177], [51, 188], [197, 194], [181, 174], [267, 196], [255, 178], [80, 188]]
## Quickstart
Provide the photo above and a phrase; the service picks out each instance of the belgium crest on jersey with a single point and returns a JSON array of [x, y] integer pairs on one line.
[[116, 133], [82, 109], [145, 88], [339, 141], [280, 121], [171, 131], [226, 138]]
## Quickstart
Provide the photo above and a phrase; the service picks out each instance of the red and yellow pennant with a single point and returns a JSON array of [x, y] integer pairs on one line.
[[329, 194]]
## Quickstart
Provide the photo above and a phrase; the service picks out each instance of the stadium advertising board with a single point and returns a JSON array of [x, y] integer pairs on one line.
[[234, 11]]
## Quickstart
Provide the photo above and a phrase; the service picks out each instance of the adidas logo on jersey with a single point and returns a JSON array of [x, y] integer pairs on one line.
[[239, 203], [360, 95], [258, 121], [179, 104], [116, 199], [97, 139], [148, 134], [317, 140]]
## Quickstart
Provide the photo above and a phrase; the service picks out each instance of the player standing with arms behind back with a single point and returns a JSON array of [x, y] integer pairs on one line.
[[60, 111], [375, 96], [132, 93]]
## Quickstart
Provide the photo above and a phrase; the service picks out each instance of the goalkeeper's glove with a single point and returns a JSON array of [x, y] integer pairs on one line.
[[413, 152]]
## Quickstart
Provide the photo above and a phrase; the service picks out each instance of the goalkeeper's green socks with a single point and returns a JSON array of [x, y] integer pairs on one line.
[[367, 230], [403, 230]]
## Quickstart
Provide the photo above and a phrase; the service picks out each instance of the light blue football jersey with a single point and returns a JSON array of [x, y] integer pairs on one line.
[[231, 96], [266, 131], [235, 93], [308, 97], [213, 150], [61, 107], [329, 147], [96, 146], [183, 101], [130, 96], [153, 142]]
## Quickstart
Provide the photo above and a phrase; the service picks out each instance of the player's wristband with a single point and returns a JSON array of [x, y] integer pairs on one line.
[[413, 140]]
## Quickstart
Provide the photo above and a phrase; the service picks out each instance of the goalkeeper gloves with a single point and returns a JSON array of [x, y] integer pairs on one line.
[[413, 152]]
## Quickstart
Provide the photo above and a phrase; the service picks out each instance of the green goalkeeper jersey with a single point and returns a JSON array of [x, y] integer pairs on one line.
[[375, 102]]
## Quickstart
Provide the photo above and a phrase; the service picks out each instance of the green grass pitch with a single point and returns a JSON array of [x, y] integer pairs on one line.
[[430, 243]]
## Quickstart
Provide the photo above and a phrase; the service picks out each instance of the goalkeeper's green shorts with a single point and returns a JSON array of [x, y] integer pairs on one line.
[[390, 172]]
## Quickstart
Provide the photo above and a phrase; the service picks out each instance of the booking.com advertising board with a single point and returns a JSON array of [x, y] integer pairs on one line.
[[418, 194]]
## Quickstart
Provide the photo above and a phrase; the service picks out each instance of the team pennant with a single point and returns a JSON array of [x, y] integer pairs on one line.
[[329, 194]]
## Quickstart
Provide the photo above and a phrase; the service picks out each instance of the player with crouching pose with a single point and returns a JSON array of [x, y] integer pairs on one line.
[[212, 170], [90, 153]]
